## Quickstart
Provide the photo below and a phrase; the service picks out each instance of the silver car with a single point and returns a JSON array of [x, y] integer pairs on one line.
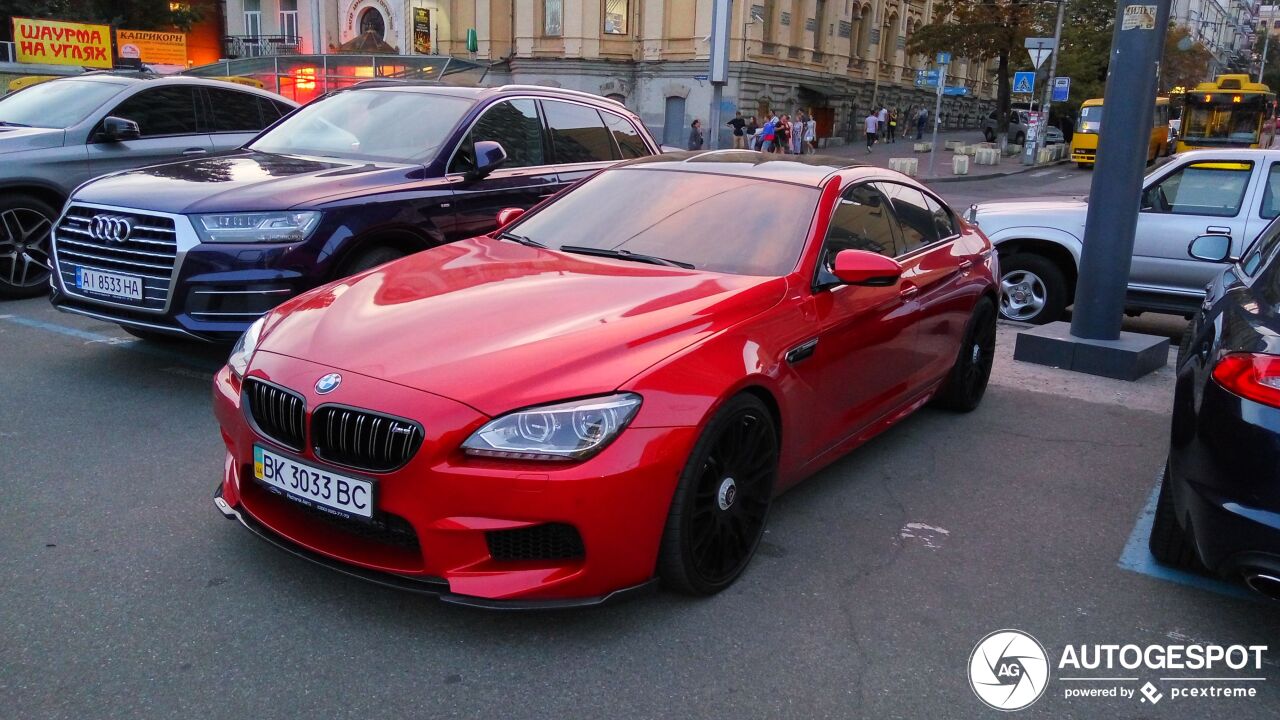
[[1019, 121], [59, 134]]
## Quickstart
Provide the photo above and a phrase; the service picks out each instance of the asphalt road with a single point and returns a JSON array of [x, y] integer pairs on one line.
[[124, 594]]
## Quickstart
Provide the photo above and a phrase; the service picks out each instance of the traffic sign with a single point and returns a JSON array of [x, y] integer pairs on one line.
[[1039, 49], [944, 58], [1061, 89], [955, 90], [1024, 83]]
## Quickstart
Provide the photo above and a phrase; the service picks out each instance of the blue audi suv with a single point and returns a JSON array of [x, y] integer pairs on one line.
[[202, 248]]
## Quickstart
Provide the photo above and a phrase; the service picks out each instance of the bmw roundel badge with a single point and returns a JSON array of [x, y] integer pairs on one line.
[[328, 383]]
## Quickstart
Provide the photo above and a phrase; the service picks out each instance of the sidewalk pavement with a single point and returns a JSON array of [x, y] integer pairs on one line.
[[882, 152]]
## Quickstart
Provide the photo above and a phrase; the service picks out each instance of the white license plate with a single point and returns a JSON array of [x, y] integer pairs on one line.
[[115, 285], [311, 486]]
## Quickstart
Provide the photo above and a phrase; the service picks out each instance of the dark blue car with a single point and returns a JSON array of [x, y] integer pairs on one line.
[[202, 248], [1219, 507]]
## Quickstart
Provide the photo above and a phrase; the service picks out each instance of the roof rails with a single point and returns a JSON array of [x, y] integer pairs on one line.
[[548, 88]]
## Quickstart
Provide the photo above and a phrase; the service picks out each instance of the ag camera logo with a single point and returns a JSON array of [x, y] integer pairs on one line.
[[1008, 670]]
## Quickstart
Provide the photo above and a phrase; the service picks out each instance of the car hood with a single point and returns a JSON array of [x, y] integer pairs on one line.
[[245, 180], [500, 326], [17, 139], [1051, 212]]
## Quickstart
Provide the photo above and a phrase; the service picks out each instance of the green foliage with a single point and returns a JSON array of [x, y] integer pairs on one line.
[[130, 14]]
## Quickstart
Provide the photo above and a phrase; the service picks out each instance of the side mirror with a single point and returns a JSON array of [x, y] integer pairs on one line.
[[116, 129], [489, 157], [859, 267], [506, 216], [1211, 248]]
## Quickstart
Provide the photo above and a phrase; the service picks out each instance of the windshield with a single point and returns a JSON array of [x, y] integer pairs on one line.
[[56, 104], [720, 223], [1090, 119], [1223, 119], [383, 124]]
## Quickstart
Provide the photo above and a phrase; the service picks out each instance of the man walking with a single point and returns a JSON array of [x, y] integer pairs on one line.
[[921, 119], [739, 131], [872, 124]]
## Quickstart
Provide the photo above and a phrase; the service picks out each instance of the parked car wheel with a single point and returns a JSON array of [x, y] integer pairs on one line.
[[968, 379], [371, 258], [1032, 289], [25, 223], [719, 508], [1169, 543], [1019, 139], [989, 135]]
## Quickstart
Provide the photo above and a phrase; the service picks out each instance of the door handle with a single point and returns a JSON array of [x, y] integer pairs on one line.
[[194, 151], [908, 291], [1218, 230], [965, 265]]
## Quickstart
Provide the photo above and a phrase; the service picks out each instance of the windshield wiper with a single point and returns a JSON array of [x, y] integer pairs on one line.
[[625, 255], [506, 235]]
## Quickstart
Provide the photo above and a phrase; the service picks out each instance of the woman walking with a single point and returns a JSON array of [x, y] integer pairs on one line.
[[783, 132], [811, 135], [695, 135]]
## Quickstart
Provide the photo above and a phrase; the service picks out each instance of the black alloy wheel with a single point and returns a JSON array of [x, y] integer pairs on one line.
[[967, 382], [25, 224], [720, 505]]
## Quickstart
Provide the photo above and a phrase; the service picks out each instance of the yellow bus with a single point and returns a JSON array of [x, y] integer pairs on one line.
[[1231, 111], [1084, 142]]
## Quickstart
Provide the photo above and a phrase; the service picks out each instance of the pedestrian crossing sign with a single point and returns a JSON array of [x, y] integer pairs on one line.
[[1024, 83]]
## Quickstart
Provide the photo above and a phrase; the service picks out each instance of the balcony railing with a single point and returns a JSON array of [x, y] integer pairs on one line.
[[242, 46]]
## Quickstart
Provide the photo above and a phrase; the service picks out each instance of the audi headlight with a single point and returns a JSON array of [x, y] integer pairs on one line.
[[573, 430], [242, 353], [284, 226]]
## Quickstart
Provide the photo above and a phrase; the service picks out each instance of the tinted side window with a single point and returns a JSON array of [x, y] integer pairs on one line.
[[1215, 189], [861, 221], [235, 111], [281, 109], [1271, 193], [577, 133], [161, 111], [943, 222], [514, 123], [627, 137], [914, 215]]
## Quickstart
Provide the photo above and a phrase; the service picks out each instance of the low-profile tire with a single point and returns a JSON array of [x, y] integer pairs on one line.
[[1184, 347], [967, 382], [722, 501], [989, 135], [369, 259], [1032, 289], [25, 223], [1170, 544]]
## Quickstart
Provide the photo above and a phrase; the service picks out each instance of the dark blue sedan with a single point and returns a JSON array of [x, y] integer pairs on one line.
[[1219, 507]]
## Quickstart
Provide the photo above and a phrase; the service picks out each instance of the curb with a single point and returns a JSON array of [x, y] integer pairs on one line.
[[989, 176]]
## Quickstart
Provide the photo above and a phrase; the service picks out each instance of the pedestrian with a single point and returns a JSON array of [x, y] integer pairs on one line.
[[893, 126], [769, 134], [783, 131], [811, 134], [797, 132], [752, 132], [739, 131], [695, 135], [882, 122], [872, 122], [921, 119]]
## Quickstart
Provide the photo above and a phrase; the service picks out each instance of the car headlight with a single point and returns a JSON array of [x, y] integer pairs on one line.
[[573, 430], [238, 361], [283, 226]]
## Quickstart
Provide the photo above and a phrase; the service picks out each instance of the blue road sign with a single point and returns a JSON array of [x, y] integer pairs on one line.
[[1024, 83], [954, 90], [1061, 89], [944, 58], [927, 78]]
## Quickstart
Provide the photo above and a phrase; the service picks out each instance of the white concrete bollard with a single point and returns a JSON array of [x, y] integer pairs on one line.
[[951, 144], [987, 156], [1043, 156], [906, 166], [1013, 149], [960, 165], [922, 147]]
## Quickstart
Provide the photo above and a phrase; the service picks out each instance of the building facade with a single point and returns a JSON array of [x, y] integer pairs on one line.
[[1227, 28], [835, 58]]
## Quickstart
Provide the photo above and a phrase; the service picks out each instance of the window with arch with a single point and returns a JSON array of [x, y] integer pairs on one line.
[[861, 36], [889, 39], [371, 19]]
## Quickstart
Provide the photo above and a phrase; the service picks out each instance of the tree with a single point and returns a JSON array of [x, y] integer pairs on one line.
[[978, 30], [1185, 61], [131, 14]]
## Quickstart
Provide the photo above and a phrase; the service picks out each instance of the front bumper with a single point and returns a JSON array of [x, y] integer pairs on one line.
[[1225, 476], [616, 501]]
